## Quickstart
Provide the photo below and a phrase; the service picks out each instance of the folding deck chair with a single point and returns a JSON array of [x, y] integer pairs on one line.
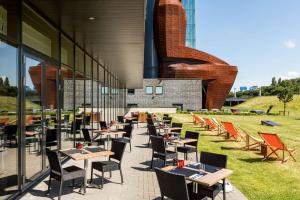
[[198, 121], [231, 131], [275, 144], [209, 125], [219, 125], [251, 141]]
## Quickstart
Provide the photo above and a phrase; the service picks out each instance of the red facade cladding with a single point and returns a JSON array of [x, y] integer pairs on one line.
[[179, 61]]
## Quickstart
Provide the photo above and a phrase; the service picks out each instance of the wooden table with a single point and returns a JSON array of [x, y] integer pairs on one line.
[[86, 154], [109, 133], [117, 125], [182, 141], [208, 175]]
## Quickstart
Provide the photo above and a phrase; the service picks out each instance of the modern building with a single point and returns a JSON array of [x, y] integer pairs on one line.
[[62, 63], [170, 55]]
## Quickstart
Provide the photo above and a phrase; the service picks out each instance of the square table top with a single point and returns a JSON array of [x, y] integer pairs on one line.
[[207, 176], [185, 141], [86, 153], [110, 132]]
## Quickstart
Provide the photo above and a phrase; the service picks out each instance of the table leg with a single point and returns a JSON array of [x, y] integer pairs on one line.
[[224, 193], [86, 165]]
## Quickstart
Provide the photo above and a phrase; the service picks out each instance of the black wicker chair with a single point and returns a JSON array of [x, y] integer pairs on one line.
[[176, 125], [152, 132], [89, 141], [159, 150], [217, 160], [103, 125], [51, 137], [190, 147], [113, 163], [167, 120], [62, 174], [120, 119], [127, 136], [10, 133], [174, 186]]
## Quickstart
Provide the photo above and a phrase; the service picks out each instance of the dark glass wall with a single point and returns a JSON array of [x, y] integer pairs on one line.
[[64, 90]]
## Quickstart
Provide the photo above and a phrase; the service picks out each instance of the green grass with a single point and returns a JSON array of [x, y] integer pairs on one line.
[[254, 178], [263, 103], [10, 104]]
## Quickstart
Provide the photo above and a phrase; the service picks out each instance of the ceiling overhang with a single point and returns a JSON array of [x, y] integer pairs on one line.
[[115, 37]]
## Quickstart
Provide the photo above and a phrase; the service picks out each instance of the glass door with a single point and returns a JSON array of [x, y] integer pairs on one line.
[[41, 101]]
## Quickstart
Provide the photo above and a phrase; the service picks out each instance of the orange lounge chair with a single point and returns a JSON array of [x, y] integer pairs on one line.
[[275, 144], [231, 131], [209, 124], [197, 120]]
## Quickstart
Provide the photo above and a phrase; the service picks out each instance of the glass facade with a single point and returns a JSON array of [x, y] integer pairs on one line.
[[50, 88], [189, 6]]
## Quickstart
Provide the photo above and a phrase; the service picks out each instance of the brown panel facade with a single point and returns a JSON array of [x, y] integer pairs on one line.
[[179, 61]]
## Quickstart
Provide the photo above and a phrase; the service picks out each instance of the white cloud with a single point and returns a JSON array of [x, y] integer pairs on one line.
[[290, 75], [290, 44]]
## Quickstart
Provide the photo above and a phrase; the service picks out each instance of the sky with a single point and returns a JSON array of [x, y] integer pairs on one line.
[[261, 37]]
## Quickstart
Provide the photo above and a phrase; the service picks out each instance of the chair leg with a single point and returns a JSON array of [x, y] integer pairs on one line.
[[102, 179], [109, 174], [121, 174], [196, 155], [165, 162], [92, 175], [60, 189], [49, 185], [130, 145], [224, 185], [152, 162]]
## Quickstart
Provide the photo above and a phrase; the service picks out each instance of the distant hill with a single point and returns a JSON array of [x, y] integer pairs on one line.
[[9, 104], [263, 103]]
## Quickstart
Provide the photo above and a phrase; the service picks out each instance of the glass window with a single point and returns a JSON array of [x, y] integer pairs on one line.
[[159, 90], [9, 19], [130, 91], [38, 34], [67, 51], [8, 120], [67, 114], [79, 65], [149, 90]]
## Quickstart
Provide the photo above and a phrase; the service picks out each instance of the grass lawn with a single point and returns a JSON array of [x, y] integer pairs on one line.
[[254, 178]]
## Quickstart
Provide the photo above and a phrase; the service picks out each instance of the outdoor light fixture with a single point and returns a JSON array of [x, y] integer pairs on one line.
[[92, 18]]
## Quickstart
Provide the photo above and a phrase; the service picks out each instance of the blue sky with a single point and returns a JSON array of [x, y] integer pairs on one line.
[[261, 37]]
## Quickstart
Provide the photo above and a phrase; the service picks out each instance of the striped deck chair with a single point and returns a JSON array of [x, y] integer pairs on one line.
[[275, 144], [198, 121], [251, 141]]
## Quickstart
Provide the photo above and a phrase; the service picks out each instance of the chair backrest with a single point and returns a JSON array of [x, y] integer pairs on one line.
[[87, 119], [30, 128], [172, 185], [120, 119], [228, 126], [166, 115], [129, 121], [158, 144], [54, 161], [150, 121], [51, 136], [86, 135], [152, 130], [128, 130], [177, 125], [273, 140], [78, 123], [118, 148], [168, 120], [192, 135], [10, 130], [66, 118], [217, 160], [197, 120], [209, 123], [103, 125]]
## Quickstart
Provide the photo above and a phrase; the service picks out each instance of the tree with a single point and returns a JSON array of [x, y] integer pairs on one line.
[[6, 82], [274, 82], [1, 81], [285, 93]]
